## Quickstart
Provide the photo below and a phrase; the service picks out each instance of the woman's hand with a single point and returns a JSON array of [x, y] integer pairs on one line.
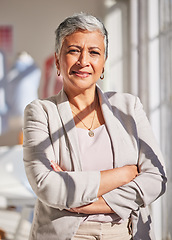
[[129, 173], [56, 167]]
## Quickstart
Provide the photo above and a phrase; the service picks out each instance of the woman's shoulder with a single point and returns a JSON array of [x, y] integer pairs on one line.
[[38, 105], [44, 104], [124, 104], [39, 109], [121, 98]]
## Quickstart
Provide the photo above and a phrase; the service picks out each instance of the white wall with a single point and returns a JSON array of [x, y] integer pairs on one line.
[[117, 63]]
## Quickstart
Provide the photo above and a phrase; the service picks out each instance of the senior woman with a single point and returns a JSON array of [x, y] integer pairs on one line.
[[90, 157]]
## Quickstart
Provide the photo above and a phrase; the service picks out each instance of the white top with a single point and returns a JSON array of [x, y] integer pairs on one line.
[[96, 155]]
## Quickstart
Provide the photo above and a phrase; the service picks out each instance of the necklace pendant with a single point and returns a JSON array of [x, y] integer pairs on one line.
[[91, 133]]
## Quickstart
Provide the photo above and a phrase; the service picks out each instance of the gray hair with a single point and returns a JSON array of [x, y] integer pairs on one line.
[[76, 22]]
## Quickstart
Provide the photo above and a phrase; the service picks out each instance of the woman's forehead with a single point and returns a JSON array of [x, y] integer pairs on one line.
[[94, 38]]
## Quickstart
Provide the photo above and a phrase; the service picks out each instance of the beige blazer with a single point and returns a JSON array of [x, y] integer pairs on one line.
[[50, 134]]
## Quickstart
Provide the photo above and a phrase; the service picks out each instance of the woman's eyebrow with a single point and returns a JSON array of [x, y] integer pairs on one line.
[[77, 46], [74, 45], [95, 48]]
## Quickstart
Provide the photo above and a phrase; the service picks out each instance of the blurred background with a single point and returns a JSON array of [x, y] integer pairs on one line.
[[140, 62]]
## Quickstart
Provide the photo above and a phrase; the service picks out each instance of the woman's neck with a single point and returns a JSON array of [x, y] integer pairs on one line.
[[83, 100]]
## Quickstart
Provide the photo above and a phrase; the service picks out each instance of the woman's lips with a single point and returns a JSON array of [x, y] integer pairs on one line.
[[81, 74]]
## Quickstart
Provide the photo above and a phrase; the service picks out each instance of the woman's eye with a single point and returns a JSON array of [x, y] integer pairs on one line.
[[73, 51], [94, 53]]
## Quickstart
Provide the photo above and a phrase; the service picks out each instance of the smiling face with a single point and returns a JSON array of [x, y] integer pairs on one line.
[[81, 60]]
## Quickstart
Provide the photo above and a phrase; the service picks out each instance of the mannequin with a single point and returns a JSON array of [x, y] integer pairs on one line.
[[22, 82]]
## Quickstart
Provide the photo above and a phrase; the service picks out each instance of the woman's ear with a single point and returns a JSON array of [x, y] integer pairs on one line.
[[57, 64], [57, 61]]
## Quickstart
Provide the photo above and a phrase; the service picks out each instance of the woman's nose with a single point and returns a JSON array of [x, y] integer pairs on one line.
[[83, 59]]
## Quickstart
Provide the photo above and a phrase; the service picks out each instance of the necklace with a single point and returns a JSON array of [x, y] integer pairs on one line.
[[90, 132]]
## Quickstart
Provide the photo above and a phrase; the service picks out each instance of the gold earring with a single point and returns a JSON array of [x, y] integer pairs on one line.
[[102, 76], [58, 73]]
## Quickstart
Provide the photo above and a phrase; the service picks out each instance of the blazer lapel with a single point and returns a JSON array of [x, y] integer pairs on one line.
[[70, 129], [113, 126]]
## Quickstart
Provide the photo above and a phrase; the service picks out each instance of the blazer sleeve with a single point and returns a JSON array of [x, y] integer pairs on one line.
[[151, 181], [62, 190]]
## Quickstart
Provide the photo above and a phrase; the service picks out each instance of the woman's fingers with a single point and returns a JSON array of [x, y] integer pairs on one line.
[[55, 166]]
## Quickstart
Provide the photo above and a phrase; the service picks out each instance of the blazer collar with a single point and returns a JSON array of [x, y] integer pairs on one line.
[[69, 126], [111, 123], [124, 143]]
